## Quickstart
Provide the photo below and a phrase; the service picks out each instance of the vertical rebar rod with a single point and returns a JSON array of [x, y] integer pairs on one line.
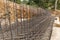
[[51, 25], [8, 16], [22, 17], [16, 14], [28, 21], [1, 30], [23, 24], [26, 9], [5, 18], [21, 12]]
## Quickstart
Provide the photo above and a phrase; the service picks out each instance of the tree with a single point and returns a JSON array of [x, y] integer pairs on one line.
[[56, 1], [49, 4]]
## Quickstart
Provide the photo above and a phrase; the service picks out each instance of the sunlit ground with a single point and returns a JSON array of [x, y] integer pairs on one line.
[[56, 31]]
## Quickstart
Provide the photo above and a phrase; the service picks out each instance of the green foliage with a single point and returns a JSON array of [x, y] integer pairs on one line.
[[49, 4], [58, 6], [16, 1]]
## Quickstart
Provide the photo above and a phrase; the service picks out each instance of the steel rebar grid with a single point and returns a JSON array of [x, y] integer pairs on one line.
[[23, 24]]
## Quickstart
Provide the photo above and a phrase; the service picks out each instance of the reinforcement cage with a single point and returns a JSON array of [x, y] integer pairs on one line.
[[24, 22]]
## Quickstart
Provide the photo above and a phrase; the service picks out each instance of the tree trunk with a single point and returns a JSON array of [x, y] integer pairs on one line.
[[56, 1]]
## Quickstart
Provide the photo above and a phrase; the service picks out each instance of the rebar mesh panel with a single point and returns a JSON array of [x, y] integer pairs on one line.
[[19, 21]]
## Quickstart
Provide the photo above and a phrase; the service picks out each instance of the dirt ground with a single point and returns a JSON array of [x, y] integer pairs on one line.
[[55, 33]]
